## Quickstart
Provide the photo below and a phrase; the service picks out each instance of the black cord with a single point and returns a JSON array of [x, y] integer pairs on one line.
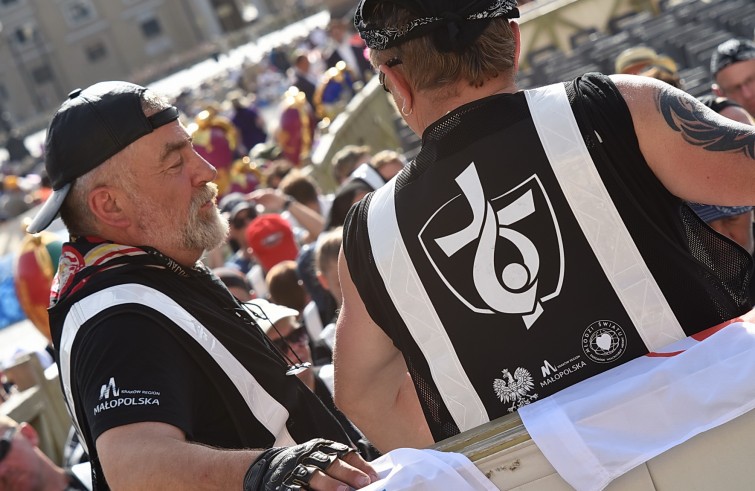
[[293, 367]]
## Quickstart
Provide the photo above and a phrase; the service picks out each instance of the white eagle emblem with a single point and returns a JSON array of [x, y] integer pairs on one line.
[[515, 389]]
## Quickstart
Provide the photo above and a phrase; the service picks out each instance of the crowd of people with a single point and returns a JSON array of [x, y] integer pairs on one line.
[[217, 319]]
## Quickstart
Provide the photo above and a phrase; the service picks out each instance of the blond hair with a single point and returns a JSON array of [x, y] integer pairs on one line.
[[328, 247], [490, 56], [384, 157]]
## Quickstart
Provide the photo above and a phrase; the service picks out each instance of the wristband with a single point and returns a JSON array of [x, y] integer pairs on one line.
[[287, 203]]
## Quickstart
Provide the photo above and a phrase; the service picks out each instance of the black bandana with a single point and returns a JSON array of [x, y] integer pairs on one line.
[[462, 23]]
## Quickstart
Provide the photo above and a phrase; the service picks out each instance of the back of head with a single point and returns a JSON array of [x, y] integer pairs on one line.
[[285, 286], [328, 247], [441, 42], [347, 159], [346, 195], [275, 171], [234, 280], [299, 186]]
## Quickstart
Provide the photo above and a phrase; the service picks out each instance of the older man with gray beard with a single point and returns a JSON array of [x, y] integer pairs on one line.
[[169, 380]]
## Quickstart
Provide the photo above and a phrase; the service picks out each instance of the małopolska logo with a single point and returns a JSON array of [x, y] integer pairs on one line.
[[109, 388], [110, 397]]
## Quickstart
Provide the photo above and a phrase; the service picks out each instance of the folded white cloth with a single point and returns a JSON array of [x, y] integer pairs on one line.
[[600, 428], [408, 469]]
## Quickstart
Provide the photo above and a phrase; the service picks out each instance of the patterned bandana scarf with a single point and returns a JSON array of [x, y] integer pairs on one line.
[[83, 257], [454, 24]]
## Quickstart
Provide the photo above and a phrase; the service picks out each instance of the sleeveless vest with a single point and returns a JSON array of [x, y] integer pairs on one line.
[[500, 264]]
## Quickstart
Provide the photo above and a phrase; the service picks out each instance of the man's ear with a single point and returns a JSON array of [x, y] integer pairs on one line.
[[717, 90], [105, 202], [399, 87], [517, 39]]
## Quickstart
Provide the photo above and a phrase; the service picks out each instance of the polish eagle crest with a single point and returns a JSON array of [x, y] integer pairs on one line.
[[515, 389]]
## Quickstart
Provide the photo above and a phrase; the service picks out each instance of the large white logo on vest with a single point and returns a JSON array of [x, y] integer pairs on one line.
[[511, 286]]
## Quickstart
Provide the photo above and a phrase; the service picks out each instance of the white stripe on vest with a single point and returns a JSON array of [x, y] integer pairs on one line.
[[599, 219], [609, 239], [269, 412], [413, 304]]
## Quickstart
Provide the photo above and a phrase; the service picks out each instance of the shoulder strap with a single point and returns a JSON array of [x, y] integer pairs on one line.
[[396, 268], [599, 219]]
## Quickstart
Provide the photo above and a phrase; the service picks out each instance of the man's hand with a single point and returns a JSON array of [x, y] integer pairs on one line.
[[317, 464]]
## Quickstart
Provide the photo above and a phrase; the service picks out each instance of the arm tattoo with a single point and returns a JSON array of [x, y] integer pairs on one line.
[[685, 114]]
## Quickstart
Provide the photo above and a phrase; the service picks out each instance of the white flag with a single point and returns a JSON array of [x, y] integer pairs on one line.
[[596, 430]]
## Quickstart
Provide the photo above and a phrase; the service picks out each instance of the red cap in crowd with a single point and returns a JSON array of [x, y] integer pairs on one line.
[[271, 239]]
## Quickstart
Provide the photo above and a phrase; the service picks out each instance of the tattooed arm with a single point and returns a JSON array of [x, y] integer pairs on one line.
[[697, 154]]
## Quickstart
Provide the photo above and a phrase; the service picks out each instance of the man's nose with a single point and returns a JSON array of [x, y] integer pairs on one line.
[[204, 171]]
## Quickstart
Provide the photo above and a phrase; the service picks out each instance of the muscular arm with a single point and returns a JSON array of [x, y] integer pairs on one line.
[[165, 460], [697, 154], [372, 386], [157, 456]]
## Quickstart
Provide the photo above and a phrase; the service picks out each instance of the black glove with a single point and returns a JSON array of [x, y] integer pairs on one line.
[[291, 468]]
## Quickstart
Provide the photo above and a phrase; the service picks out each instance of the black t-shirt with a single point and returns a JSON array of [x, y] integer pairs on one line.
[[151, 341], [150, 378]]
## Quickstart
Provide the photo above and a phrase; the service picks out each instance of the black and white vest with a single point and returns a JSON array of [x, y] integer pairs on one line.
[[503, 267]]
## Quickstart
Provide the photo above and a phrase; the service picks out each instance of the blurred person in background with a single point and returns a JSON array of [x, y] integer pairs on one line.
[[348, 47], [24, 467], [270, 240], [236, 282], [347, 159], [733, 68], [296, 127], [388, 163], [302, 79], [248, 121]]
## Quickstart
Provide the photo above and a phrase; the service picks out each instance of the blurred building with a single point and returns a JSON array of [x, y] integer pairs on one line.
[[49, 47]]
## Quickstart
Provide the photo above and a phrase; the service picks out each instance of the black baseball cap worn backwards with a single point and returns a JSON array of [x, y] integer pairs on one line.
[[91, 126], [455, 24]]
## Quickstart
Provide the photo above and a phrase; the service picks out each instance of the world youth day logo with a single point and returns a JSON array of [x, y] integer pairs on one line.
[[508, 259]]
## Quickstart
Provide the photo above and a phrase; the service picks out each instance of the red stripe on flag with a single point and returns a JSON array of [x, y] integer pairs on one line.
[[654, 354], [713, 330]]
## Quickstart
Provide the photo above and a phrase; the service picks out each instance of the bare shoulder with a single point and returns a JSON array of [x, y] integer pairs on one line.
[[696, 153], [656, 105]]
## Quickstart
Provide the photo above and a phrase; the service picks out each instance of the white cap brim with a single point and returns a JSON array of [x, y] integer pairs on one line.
[[49, 210], [267, 314]]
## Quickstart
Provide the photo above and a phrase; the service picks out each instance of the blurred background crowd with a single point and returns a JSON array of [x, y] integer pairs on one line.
[[287, 108]]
